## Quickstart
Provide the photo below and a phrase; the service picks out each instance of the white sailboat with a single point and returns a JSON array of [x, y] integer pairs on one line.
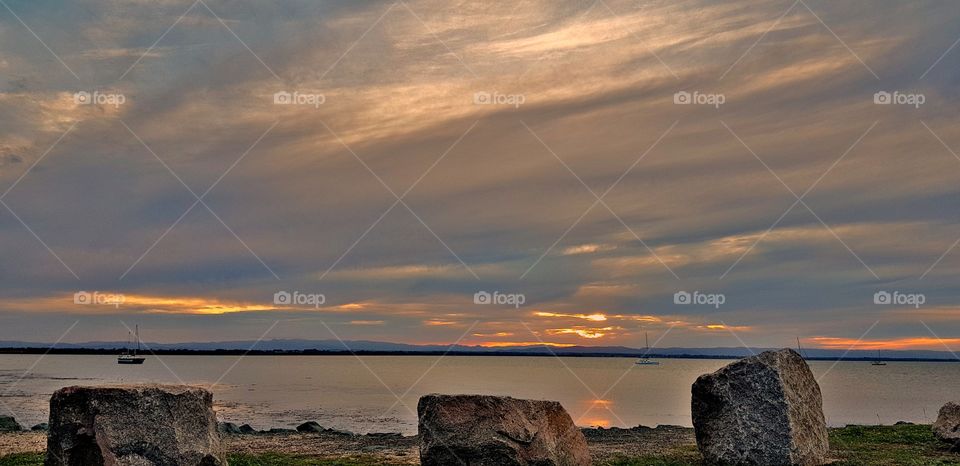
[[645, 361], [129, 357], [878, 362]]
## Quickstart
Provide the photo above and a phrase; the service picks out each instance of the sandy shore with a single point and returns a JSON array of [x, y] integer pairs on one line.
[[393, 448]]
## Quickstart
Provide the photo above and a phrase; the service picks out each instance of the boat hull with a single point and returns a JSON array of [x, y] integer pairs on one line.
[[131, 360]]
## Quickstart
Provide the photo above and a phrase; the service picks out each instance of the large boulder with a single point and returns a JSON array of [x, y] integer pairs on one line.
[[762, 410], [491, 430], [947, 426], [142, 425], [9, 424]]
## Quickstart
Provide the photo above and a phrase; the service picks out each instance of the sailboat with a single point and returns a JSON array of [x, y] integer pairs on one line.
[[878, 362], [129, 357], [645, 361]]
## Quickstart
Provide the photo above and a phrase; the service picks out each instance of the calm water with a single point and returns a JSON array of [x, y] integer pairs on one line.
[[351, 394]]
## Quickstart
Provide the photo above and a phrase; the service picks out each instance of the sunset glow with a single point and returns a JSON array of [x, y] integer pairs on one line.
[[439, 172]]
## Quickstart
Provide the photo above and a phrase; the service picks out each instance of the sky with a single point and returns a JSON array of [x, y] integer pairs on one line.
[[709, 174]]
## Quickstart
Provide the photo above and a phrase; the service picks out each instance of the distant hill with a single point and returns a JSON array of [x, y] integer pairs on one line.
[[364, 346]]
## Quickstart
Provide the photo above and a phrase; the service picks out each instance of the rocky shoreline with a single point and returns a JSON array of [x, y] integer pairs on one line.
[[765, 409], [394, 448]]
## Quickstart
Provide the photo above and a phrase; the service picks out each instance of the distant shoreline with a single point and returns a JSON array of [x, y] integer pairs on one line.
[[238, 352]]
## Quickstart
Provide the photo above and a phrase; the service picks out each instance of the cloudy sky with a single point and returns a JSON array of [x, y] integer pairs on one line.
[[591, 159]]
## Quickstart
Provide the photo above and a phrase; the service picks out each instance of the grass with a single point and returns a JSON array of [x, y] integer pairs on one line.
[[268, 459], [276, 459], [889, 445], [22, 459], [903, 445]]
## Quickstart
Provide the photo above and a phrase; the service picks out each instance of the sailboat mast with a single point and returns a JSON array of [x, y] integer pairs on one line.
[[138, 336]]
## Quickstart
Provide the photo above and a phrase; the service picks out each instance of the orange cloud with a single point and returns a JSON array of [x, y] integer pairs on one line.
[[439, 323], [735, 328], [184, 305], [591, 333], [893, 344], [596, 317], [490, 335], [499, 344]]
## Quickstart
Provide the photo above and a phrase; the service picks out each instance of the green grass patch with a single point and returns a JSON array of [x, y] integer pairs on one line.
[[651, 461], [903, 445], [906, 445], [268, 459], [279, 459], [23, 459]]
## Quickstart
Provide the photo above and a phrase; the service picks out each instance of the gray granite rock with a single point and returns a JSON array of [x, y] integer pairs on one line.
[[947, 427], [310, 426], [9, 424], [762, 410], [489, 430], [229, 428], [142, 425]]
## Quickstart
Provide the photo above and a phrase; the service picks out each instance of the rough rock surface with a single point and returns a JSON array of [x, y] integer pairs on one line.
[[133, 425], [9, 424], [762, 410], [229, 428], [947, 426], [490, 430], [310, 426]]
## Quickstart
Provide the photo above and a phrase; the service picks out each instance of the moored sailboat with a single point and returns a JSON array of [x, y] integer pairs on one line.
[[130, 357], [645, 361]]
